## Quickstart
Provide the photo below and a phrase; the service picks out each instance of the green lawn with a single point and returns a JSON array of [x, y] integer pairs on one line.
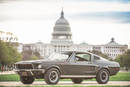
[[121, 76]]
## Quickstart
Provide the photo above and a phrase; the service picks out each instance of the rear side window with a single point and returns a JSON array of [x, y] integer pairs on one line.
[[83, 57], [96, 58]]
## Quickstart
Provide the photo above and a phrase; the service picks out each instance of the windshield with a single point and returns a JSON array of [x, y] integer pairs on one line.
[[57, 57]]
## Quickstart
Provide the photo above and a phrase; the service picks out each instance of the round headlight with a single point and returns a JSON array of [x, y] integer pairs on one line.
[[39, 66]]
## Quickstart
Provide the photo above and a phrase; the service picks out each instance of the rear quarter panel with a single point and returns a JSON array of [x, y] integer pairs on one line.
[[111, 66]]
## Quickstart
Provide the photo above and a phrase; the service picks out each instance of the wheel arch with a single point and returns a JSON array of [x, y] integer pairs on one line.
[[54, 66], [105, 67]]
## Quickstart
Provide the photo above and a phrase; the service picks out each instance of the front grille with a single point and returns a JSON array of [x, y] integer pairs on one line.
[[24, 66]]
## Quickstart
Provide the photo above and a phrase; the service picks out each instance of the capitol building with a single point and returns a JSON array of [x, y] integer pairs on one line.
[[62, 41]]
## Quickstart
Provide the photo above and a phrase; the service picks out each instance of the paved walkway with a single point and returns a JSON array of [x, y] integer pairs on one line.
[[68, 83], [12, 72], [7, 72]]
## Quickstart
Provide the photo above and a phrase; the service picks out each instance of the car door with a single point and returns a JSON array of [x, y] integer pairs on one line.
[[83, 64]]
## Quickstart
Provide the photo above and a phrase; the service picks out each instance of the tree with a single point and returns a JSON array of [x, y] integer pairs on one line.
[[30, 55], [3, 53], [8, 54], [14, 55], [124, 59], [27, 54], [120, 60], [33, 57]]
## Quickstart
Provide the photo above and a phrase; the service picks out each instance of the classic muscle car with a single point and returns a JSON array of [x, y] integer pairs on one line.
[[67, 65]]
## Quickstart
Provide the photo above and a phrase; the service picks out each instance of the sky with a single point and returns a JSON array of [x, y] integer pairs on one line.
[[91, 21]]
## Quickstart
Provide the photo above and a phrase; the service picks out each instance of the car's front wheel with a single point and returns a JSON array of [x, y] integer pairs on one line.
[[52, 76], [77, 80], [102, 76], [27, 79]]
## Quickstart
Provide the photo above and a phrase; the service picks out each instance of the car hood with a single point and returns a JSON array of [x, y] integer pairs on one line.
[[38, 62], [114, 64]]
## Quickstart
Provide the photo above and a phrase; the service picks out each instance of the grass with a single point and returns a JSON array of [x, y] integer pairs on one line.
[[10, 77], [121, 76]]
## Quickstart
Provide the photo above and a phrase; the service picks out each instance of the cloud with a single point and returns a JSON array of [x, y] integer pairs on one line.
[[50, 1], [62, 2], [119, 17]]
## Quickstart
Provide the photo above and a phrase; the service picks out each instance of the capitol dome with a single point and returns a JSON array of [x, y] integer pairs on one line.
[[62, 20], [62, 25]]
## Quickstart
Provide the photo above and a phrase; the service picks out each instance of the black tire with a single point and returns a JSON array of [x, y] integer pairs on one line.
[[102, 76], [77, 80], [27, 79], [52, 76]]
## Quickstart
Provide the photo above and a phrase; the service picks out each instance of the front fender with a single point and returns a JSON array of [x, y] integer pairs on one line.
[[104, 67], [54, 66]]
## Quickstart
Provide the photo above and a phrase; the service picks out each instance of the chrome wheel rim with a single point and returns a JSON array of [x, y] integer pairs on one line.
[[53, 76], [104, 76]]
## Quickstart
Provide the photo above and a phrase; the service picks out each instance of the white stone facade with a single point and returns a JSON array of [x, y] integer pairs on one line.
[[46, 49]]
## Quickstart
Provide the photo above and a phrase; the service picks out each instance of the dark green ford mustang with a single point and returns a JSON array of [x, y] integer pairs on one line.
[[71, 65]]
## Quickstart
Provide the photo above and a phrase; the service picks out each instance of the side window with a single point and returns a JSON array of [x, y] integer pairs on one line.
[[83, 57], [96, 58]]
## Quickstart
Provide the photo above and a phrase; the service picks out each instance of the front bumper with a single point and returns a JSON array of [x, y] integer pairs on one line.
[[30, 72], [114, 70]]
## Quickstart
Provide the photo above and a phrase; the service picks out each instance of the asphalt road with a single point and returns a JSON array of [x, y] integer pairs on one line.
[[68, 83]]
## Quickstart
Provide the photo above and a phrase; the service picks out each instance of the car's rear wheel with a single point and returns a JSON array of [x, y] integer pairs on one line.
[[102, 76], [27, 79], [77, 80], [52, 76]]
